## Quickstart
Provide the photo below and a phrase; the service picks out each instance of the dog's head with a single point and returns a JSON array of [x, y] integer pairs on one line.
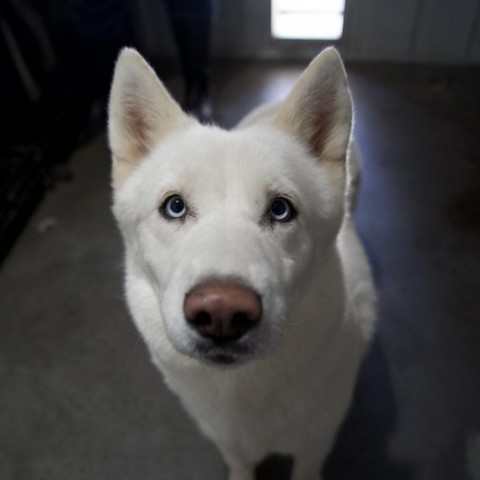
[[225, 231]]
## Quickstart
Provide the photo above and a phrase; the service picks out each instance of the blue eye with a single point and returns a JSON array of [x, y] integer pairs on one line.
[[281, 210], [174, 207]]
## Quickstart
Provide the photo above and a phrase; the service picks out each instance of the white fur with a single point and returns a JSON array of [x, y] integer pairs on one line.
[[290, 393]]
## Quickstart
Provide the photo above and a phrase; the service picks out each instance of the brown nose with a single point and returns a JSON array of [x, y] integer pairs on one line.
[[222, 311]]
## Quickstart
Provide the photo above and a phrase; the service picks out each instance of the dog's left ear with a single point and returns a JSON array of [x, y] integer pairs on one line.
[[318, 111]]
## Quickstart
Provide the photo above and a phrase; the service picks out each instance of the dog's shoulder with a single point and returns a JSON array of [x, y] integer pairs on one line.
[[358, 278]]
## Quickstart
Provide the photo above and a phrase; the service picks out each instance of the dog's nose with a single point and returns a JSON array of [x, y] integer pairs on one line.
[[221, 311]]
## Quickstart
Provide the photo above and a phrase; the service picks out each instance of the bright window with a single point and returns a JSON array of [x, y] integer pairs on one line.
[[308, 19]]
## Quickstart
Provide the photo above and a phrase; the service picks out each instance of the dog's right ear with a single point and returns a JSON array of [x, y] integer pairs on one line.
[[141, 112], [318, 111]]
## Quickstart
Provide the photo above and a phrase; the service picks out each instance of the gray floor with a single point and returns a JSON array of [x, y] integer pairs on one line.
[[78, 396]]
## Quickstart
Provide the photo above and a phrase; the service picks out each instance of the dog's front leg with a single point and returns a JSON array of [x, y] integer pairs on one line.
[[238, 469], [307, 467], [241, 474]]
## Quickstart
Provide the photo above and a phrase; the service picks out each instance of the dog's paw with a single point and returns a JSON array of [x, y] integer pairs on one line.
[[241, 475]]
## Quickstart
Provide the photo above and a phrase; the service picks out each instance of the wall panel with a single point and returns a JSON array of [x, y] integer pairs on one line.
[[421, 31]]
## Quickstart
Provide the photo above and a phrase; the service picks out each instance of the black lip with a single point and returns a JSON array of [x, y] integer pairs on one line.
[[222, 359], [228, 354]]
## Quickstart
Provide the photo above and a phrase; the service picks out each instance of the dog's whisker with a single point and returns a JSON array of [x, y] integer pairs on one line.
[[136, 346]]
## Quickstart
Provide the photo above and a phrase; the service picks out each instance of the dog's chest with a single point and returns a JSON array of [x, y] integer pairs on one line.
[[251, 412], [260, 409]]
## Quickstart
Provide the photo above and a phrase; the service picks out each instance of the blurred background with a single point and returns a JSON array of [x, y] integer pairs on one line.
[[78, 395]]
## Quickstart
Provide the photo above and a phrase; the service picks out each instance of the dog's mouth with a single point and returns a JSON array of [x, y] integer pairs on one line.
[[223, 354]]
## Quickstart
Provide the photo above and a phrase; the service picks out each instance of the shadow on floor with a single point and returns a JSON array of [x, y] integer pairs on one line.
[[361, 450]]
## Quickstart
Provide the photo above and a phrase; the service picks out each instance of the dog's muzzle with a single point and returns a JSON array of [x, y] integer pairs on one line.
[[222, 315]]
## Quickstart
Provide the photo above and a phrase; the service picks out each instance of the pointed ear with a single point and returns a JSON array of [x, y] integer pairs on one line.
[[318, 111], [141, 112]]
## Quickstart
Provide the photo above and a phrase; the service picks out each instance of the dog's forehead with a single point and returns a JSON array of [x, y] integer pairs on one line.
[[213, 154], [208, 164]]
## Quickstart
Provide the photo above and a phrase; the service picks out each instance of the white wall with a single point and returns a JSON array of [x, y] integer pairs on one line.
[[420, 31]]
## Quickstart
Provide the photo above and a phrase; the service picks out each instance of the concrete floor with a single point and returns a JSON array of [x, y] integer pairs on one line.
[[79, 398]]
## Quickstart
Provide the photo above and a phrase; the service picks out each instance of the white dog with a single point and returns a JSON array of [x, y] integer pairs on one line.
[[244, 273]]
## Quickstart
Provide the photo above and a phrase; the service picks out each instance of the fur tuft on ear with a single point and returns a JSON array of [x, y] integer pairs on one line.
[[318, 111], [141, 112]]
